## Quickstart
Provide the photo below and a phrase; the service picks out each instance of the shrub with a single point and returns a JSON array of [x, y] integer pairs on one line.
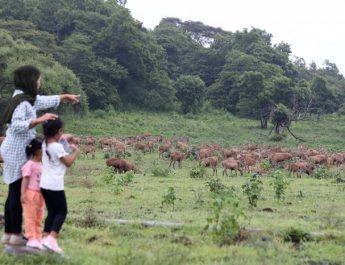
[[279, 184], [252, 188], [108, 155], [100, 114], [109, 175], [215, 185], [89, 218], [169, 196], [117, 181], [265, 165], [320, 172], [277, 137], [160, 172], [198, 172], [295, 235], [225, 221], [127, 178]]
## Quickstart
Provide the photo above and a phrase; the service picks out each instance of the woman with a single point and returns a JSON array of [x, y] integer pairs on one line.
[[21, 118]]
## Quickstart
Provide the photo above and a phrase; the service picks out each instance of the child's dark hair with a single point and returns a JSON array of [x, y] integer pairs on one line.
[[50, 129], [25, 78], [33, 146]]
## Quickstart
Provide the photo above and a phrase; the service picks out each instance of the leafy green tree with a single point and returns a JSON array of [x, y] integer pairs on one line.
[[281, 118], [323, 98], [190, 91], [282, 90], [56, 79], [100, 77], [120, 63], [255, 99], [137, 51], [26, 30]]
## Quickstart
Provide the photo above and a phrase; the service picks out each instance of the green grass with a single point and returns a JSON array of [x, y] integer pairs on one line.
[[88, 240]]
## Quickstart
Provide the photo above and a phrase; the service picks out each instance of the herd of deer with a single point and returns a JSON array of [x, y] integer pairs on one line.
[[239, 160]]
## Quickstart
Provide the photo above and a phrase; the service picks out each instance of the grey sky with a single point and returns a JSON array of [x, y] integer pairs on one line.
[[313, 28]]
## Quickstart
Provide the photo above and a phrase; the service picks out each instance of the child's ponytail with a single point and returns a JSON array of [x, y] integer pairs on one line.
[[33, 146], [50, 129]]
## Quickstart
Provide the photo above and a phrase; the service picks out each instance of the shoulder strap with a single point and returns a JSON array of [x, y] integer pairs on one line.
[[13, 104]]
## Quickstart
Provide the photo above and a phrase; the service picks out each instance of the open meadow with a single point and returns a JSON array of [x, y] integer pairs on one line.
[[205, 219]]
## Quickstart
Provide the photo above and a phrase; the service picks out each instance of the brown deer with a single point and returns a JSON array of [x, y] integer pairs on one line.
[[232, 164], [163, 148], [121, 165], [300, 167], [88, 149], [177, 157], [280, 157], [141, 147], [181, 145], [211, 162], [149, 146]]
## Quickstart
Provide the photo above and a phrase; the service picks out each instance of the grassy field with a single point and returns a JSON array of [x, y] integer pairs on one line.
[[310, 205]]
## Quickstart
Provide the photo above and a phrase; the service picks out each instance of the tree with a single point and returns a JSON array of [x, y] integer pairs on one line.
[[281, 118], [100, 77], [57, 79], [177, 45], [136, 50], [255, 99], [190, 91], [323, 98]]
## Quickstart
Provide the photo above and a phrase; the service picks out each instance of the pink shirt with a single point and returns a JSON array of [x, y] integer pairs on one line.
[[33, 171]]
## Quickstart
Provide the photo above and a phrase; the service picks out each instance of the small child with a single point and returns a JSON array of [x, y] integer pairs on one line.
[[31, 197], [55, 159]]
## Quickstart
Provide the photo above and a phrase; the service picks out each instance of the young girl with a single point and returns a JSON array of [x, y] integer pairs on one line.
[[54, 160], [20, 115], [31, 197]]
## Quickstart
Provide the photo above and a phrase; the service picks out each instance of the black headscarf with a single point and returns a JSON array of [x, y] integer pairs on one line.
[[13, 104]]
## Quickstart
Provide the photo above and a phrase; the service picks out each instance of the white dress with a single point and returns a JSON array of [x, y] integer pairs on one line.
[[18, 134]]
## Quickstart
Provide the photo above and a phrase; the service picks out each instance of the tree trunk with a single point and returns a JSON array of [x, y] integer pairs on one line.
[[277, 129], [264, 121]]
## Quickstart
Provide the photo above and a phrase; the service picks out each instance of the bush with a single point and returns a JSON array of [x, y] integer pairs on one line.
[[320, 172], [160, 172], [215, 185], [108, 155], [252, 188], [279, 184], [198, 172], [109, 175], [295, 235], [277, 137], [89, 218], [169, 196], [265, 165], [100, 114], [225, 221], [117, 181]]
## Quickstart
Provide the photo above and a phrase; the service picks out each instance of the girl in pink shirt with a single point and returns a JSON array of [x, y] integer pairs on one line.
[[31, 197]]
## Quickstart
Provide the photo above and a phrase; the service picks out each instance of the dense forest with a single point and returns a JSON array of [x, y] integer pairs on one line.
[[96, 48]]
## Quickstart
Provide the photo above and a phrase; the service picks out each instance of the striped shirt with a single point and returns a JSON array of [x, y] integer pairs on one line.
[[19, 135]]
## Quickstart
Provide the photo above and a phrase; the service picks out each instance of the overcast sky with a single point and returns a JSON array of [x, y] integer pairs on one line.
[[315, 29]]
